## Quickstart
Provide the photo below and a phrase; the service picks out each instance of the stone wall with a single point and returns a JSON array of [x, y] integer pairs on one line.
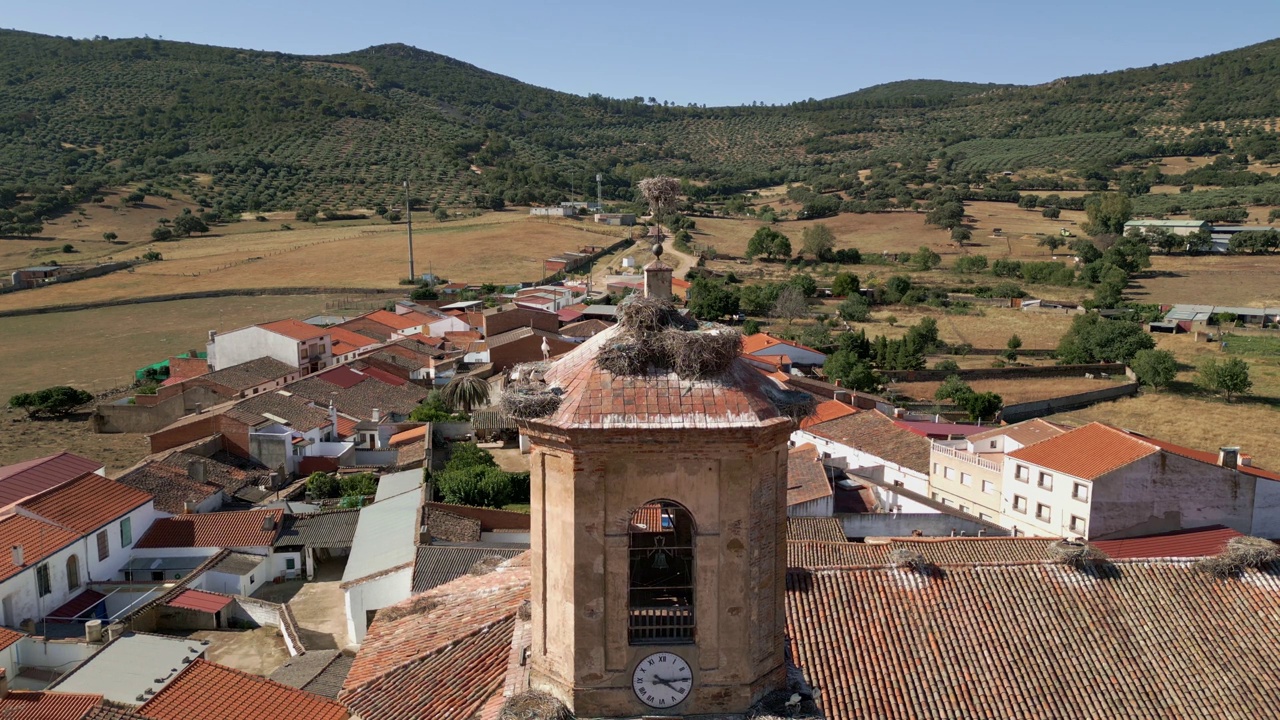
[[1042, 408], [1008, 373]]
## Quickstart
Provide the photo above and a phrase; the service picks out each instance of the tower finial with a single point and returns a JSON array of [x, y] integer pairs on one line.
[[657, 250]]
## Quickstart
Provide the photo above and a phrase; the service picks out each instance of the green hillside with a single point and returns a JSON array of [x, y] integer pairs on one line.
[[245, 131]]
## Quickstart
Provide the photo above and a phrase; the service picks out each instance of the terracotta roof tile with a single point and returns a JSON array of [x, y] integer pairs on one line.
[[806, 477], [408, 436], [586, 328], [825, 411], [86, 504], [345, 341], [876, 434], [361, 399], [815, 528], [39, 540], [295, 329], [1196, 542], [246, 528], [399, 322], [1023, 433], [752, 344], [1087, 452], [9, 637], [596, 398], [369, 328], [199, 600], [207, 691], [940, 551], [27, 705], [299, 413], [223, 469], [24, 479], [343, 376], [1036, 641], [171, 487], [250, 374]]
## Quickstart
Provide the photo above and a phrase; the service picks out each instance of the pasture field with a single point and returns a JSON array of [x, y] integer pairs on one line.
[[494, 247], [99, 349], [1011, 391], [1252, 280]]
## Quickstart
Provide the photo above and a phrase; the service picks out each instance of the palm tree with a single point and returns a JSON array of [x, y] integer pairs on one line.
[[467, 391]]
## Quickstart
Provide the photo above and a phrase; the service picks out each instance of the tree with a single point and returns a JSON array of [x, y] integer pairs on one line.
[[970, 264], [187, 224], [441, 214], [161, 234], [1093, 338], [68, 248], [817, 240], [152, 256], [1011, 353], [393, 216], [1051, 213], [424, 293], [981, 406], [322, 485], [1156, 368], [55, 401], [110, 236], [844, 285], [307, 213], [960, 235], [1108, 212], [466, 391], [791, 304], [947, 365], [711, 300], [1230, 378], [855, 308], [433, 409], [851, 371], [925, 259], [952, 388], [1053, 242], [947, 215], [135, 197], [359, 484], [768, 242], [805, 283], [750, 327]]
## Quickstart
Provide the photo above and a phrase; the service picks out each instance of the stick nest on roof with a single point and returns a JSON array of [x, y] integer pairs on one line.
[[653, 334], [908, 559], [534, 705], [486, 564], [1240, 554], [529, 399], [784, 705], [1074, 553]]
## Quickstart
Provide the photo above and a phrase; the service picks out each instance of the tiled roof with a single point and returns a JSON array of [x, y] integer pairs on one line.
[[76, 606], [408, 436], [346, 426], [825, 411], [934, 429], [520, 333], [440, 564], [345, 341], [206, 691], [170, 486], [238, 563], [112, 713], [245, 528], [1036, 641], [752, 344], [221, 468], [398, 322], [596, 398], [295, 329], [586, 328], [361, 399], [86, 504], [24, 479], [369, 328], [450, 527], [300, 414], [806, 477], [333, 529], [442, 654], [9, 637], [876, 434], [28, 705], [39, 540], [828, 529], [200, 601], [1196, 542], [317, 671], [1023, 433], [940, 551], [462, 337], [342, 376], [384, 376], [1087, 452], [250, 374]]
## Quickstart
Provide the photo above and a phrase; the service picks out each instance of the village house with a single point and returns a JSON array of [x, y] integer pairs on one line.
[[763, 345], [189, 540], [524, 345], [379, 570], [24, 479], [970, 474], [809, 492], [292, 342], [208, 691]]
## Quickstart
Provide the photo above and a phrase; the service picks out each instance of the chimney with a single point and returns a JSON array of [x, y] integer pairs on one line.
[[269, 522], [199, 408], [657, 276], [212, 334], [1229, 457], [333, 421], [17, 556], [377, 415], [196, 471], [188, 507]]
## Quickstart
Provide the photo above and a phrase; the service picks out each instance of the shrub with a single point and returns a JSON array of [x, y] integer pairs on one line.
[[323, 485], [1156, 368], [855, 308], [946, 365]]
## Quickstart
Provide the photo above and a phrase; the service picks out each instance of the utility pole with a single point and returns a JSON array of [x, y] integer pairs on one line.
[[599, 193], [408, 215]]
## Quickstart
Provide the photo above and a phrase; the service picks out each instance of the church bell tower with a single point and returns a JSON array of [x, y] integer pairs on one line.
[[659, 521]]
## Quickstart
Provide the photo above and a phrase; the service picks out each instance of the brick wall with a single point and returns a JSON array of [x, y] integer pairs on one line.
[[498, 323], [489, 518]]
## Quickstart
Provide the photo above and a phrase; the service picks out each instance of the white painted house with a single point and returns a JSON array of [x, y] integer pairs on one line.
[[763, 345], [292, 342], [870, 445]]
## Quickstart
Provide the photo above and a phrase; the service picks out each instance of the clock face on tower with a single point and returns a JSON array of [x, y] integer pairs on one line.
[[662, 680]]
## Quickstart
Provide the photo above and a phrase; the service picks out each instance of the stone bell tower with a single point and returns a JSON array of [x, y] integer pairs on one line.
[[659, 522]]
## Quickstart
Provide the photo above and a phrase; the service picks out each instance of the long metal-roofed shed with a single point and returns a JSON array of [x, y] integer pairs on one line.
[[379, 570], [132, 668], [319, 536]]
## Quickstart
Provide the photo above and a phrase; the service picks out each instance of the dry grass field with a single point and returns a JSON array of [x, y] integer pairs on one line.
[[494, 247], [99, 349], [1011, 391], [1252, 280]]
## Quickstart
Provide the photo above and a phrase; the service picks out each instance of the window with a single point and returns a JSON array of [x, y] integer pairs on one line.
[[992, 445], [73, 573], [43, 586], [964, 508], [660, 598], [290, 564], [988, 487], [985, 516], [1045, 481], [1077, 525], [948, 502], [104, 546], [935, 468], [948, 473], [1019, 503], [1080, 492], [251, 580], [966, 478], [1043, 512], [126, 532], [1022, 473]]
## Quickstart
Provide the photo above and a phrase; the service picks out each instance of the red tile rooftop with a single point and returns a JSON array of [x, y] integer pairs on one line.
[[1196, 542], [24, 479], [826, 410], [342, 376], [233, 529], [200, 601], [207, 691], [1088, 452], [37, 538], [295, 329], [27, 705], [87, 503]]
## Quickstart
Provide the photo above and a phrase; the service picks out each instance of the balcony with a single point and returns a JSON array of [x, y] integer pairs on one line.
[[966, 457], [669, 625]]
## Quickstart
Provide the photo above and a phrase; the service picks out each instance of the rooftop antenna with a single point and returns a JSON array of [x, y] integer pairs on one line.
[[408, 214]]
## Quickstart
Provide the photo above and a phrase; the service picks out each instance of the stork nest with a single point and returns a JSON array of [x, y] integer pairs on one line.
[[654, 334], [1074, 553], [486, 565], [908, 559], [795, 404], [529, 399], [777, 705], [534, 705], [1240, 554]]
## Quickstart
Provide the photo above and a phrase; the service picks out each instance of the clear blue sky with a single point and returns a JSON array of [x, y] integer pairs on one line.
[[705, 51]]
